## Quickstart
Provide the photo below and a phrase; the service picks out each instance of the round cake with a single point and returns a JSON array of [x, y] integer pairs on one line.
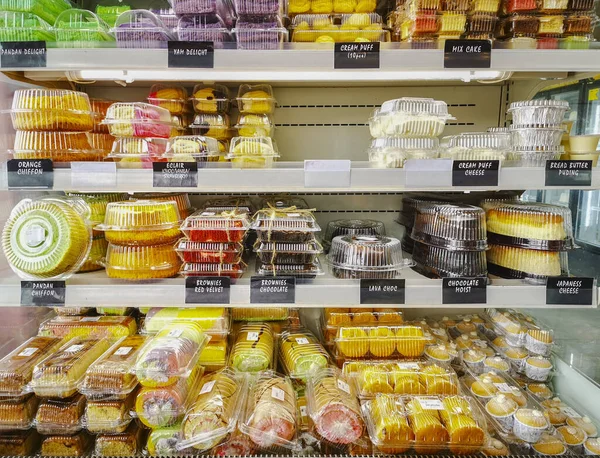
[[511, 262], [58, 146], [142, 262]]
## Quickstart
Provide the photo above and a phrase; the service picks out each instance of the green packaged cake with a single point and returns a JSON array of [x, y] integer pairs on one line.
[[77, 28], [24, 27], [47, 10]]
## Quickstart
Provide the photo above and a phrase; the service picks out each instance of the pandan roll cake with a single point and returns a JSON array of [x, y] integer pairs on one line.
[[302, 353], [163, 442], [47, 238], [392, 431], [253, 348], [214, 356]]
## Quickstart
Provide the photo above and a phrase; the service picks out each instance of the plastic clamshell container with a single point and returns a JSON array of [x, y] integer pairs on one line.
[[351, 227], [214, 321], [59, 375], [253, 125], [214, 356], [270, 417], [481, 23], [132, 152], [260, 314], [287, 253], [335, 317], [112, 376], [141, 262], [19, 26], [485, 6], [16, 368], [521, 263], [455, 227], [125, 443], [535, 157], [210, 98], [425, 424], [254, 348], [261, 8], [332, 404], [392, 152], [58, 146], [214, 414], [520, 6], [534, 226], [89, 327], [169, 97], [553, 6], [257, 152], [171, 354], [256, 99], [580, 23], [301, 353], [60, 416], [77, 28], [233, 271], [210, 252], [61, 445], [404, 341], [213, 125], [409, 117], [289, 225], [224, 226], [205, 27], [181, 198], [17, 414], [338, 28], [48, 11], [109, 14], [436, 262], [141, 29], [519, 26], [167, 16], [300, 271], [193, 148], [477, 146], [261, 36], [138, 119], [51, 110], [19, 443], [189, 7], [366, 256], [538, 112], [47, 238], [109, 416]]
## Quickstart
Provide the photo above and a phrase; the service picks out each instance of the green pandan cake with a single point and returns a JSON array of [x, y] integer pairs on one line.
[[47, 238]]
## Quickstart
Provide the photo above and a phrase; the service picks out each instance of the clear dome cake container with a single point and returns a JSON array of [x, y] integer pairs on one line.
[[529, 157], [141, 29], [366, 256], [435, 262], [48, 11], [536, 137], [538, 112], [51, 110], [141, 262], [210, 252], [307, 271], [181, 198], [351, 227], [211, 98], [451, 226], [521, 263], [47, 238], [78, 28], [256, 99], [138, 119], [213, 125], [252, 152], [18, 26], [285, 225], [535, 226], [132, 152], [392, 152], [287, 253], [58, 146], [216, 226], [410, 205], [476, 146], [204, 27], [193, 148]]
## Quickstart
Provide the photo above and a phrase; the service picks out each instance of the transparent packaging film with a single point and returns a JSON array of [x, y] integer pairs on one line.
[[425, 424], [287, 253], [141, 262], [534, 226], [79, 28], [214, 321], [538, 112], [211, 98], [536, 339], [351, 227], [477, 146], [257, 98], [536, 137], [141, 29], [61, 445], [17, 414], [451, 226], [335, 317], [519, 263], [58, 146], [223, 226], [253, 349], [535, 157], [112, 376], [233, 271], [435, 262], [126, 443], [45, 10], [260, 313], [301, 353], [214, 413], [391, 152], [51, 110], [300, 271], [214, 125], [254, 125], [16, 368], [252, 147], [138, 120], [290, 224], [132, 152], [60, 416], [214, 356], [58, 375], [205, 27], [47, 238], [193, 148], [210, 252], [171, 354], [109, 416], [170, 97], [330, 6], [238, 203], [405, 341], [270, 418], [19, 443]]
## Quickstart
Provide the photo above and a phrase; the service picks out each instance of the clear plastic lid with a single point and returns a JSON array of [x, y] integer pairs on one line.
[[110, 13], [128, 442], [170, 97], [60, 416], [380, 341], [140, 215], [17, 414], [77, 445], [171, 354], [46, 10], [255, 125], [534, 226], [332, 404], [257, 98], [435, 262], [270, 417], [367, 253], [253, 350], [132, 150], [301, 353], [48, 237], [77, 28], [210, 252], [479, 140], [59, 375], [141, 262], [210, 98], [241, 204], [536, 137], [182, 199], [73, 311], [272, 224], [192, 147], [213, 125], [51, 110], [306, 271], [233, 271], [89, 326], [335, 317], [109, 416], [204, 27], [216, 226], [141, 29], [535, 156], [352, 227], [287, 253], [392, 152], [20, 26], [214, 321], [415, 105], [406, 124], [535, 265], [58, 146], [138, 119], [265, 35], [260, 313], [252, 147], [538, 112], [112, 376], [451, 226], [215, 412], [16, 368]]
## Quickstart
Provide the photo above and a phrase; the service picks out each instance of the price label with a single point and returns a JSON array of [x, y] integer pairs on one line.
[[252, 336], [303, 411], [569, 412], [91, 318], [272, 290], [569, 291], [207, 387], [191, 54], [504, 387], [175, 333], [410, 366], [342, 385], [175, 174], [464, 290], [123, 351], [568, 173], [28, 352], [278, 393], [23, 54], [30, 173], [382, 291], [302, 340], [356, 55], [431, 403], [207, 290], [327, 173], [74, 348], [93, 175], [42, 293], [468, 54], [475, 173]]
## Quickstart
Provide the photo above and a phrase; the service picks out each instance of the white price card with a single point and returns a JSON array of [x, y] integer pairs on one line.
[[425, 173], [74, 348], [411, 366], [431, 403], [91, 319], [93, 175], [278, 393], [342, 385], [327, 173], [123, 351], [303, 411], [207, 387], [175, 333], [569, 412], [252, 336], [302, 340], [28, 351], [504, 387]]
